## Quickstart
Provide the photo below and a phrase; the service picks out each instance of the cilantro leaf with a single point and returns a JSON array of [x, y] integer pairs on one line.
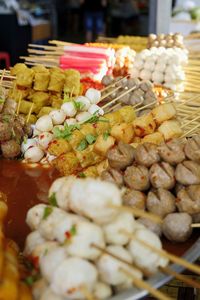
[[73, 230], [66, 132], [81, 175], [90, 138], [52, 200], [106, 135], [78, 105], [82, 146], [47, 211]]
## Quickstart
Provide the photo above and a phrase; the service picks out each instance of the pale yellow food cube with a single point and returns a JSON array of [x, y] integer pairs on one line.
[[123, 132], [164, 112], [102, 166], [155, 138], [128, 113], [144, 125], [170, 129], [103, 144]]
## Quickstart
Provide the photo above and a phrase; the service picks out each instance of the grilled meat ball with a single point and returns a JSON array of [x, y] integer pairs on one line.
[[196, 218], [176, 227], [5, 131], [113, 176], [188, 172], [188, 199], [134, 199], [28, 130], [137, 177], [10, 149], [160, 202], [121, 156], [9, 107], [162, 176], [192, 148], [155, 227], [147, 154], [172, 152], [107, 80]]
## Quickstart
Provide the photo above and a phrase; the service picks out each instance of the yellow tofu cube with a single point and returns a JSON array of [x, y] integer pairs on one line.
[[128, 113], [88, 157], [170, 129], [114, 118], [75, 139], [101, 127], [164, 112], [155, 138], [144, 125], [58, 147], [123, 132], [103, 144], [88, 129], [67, 164]]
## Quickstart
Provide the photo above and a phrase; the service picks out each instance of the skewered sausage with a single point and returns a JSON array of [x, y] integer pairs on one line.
[[120, 156], [160, 202], [137, 177], [192, 148], [147, 154], [154, 227], [113, 176], [177, 227], [188, 199], [10, 149], [172, 152], [134, 199], [188, 172], [162, 176]]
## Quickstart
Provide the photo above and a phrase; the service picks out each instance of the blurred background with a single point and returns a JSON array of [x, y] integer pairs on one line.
[[37, 21]]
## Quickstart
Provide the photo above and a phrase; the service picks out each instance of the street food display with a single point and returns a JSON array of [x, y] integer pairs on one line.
[[116, 126]]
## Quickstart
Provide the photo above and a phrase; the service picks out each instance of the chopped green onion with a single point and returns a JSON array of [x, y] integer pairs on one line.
[[106, 135], [53, 200], [82, 146], [81, 175], [47, 211], [90, 138]]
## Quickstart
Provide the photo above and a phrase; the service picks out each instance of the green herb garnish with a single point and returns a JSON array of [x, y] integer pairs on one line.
[[29, 280], [52, 200], [66, 132], [25, 139], [81, 175], [106, 135], [78, 105], [2, 101], [6, 119], [73, 230], [82, 146], [47, 211], [90, 138]]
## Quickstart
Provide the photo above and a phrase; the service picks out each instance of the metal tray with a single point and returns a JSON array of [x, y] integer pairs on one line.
[[160, 279]]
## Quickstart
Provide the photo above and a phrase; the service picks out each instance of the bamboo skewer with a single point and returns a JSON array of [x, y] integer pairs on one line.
[[29, 113], [114, 84], [175, 259], [144, 285], [191, 130], [191, 121], [196, 225], [18, 105]]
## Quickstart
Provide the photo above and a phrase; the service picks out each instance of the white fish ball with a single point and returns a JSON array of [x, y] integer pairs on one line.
[[145, 74], [170, 77], [35, 215], [62, 193], [83, 102], [83, 116], [93, 95], [44, 123], [27, 144], [56, 185], [102, 290], [39, 288], [33, 239], [95, 109], [42, 249], [160, 67], [48, 294], [113, 231], [36, 132], [157, 77], [138, 64], [44, 139], [109, 267], [73, 273], [149, 65], [58, 116], [86, 234], [70, 121], [170, 85], [69, 109], [33, 154], [51, 260], [135, 73]]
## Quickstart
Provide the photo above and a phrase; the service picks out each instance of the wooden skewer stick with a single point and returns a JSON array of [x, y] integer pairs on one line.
[[44, 52], [189, 122], [195, 225], [185, 279], [110, 93], [191, 130], [113, 84], [146, 106], [87, 294], [46, 47], [139, 213], [175, 259], [29, 113], [18, 105], [141, 284], [119, 97]]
